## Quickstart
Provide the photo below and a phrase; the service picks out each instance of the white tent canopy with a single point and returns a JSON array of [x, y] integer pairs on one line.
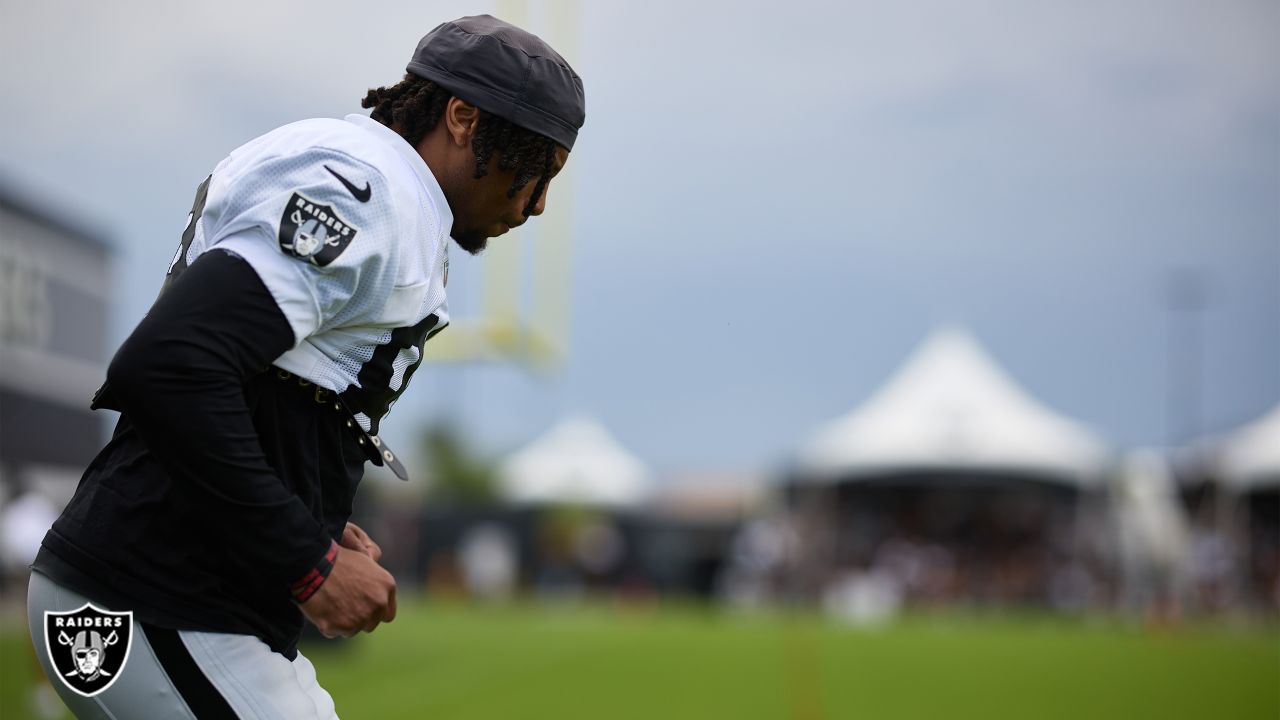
[[576, 461], [951, 407], [1249, 458]]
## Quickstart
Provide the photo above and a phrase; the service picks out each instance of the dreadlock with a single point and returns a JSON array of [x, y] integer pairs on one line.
[[415, 105]]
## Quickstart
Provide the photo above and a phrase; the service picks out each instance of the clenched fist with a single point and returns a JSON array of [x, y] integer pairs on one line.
[[358, 595]]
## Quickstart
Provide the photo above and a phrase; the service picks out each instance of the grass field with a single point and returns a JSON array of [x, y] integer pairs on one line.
[[597, 661]]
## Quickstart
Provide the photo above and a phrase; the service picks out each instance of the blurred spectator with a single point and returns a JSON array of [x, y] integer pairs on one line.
[[864, 598], [1211, 565], [23, 522], [756, 560], [487, 555], [598, 548]]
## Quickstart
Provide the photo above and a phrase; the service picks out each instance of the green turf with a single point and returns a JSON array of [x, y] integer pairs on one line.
[[598, 661]]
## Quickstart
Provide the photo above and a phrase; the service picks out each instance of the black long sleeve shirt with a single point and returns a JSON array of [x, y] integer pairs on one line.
[[223, 483]]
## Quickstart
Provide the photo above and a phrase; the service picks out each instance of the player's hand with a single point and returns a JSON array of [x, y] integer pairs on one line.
[[355, 538], [358, 595]]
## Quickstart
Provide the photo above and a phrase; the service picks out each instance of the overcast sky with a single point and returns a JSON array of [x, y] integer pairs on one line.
[[771, 203]]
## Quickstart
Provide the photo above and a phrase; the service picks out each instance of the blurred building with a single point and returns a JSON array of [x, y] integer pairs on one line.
[[55, 299], [565, 522], [579, 513]]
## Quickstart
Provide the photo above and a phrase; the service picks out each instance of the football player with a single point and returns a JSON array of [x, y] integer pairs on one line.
[[311, 271]]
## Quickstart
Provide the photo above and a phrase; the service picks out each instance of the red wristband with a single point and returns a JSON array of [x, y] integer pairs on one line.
[[303, 589]]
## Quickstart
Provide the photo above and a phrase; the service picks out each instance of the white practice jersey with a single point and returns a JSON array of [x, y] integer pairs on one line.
[[349, 231]]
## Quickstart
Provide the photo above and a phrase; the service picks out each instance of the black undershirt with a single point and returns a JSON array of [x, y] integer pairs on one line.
[[222, 484]]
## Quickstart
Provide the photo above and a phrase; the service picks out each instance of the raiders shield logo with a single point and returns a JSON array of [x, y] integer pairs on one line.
[[88, 647], [313, 232]]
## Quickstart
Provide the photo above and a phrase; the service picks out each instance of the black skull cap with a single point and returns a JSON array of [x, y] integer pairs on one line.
[[506, 71]]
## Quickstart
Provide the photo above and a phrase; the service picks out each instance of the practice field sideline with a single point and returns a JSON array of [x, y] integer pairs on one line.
[[592, 661]]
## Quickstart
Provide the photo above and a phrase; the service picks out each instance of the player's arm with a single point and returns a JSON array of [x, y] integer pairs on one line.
[[180, 379]]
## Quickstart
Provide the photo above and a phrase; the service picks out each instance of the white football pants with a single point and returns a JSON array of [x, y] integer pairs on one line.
[[185, 674]]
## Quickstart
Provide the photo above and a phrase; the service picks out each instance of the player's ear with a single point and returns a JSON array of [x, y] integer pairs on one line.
[[461, 119]]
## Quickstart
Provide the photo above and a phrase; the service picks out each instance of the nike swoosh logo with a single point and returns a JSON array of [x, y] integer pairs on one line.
[[361, 195]]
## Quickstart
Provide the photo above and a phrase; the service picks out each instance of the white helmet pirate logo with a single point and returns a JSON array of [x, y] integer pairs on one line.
[[89, 650], [310, 236]]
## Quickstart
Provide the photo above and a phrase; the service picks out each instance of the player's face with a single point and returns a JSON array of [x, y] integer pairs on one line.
[[87, 661], [486, 211]]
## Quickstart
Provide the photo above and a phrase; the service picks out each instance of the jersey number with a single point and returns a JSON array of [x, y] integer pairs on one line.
[[374, 395], [179, 262]]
